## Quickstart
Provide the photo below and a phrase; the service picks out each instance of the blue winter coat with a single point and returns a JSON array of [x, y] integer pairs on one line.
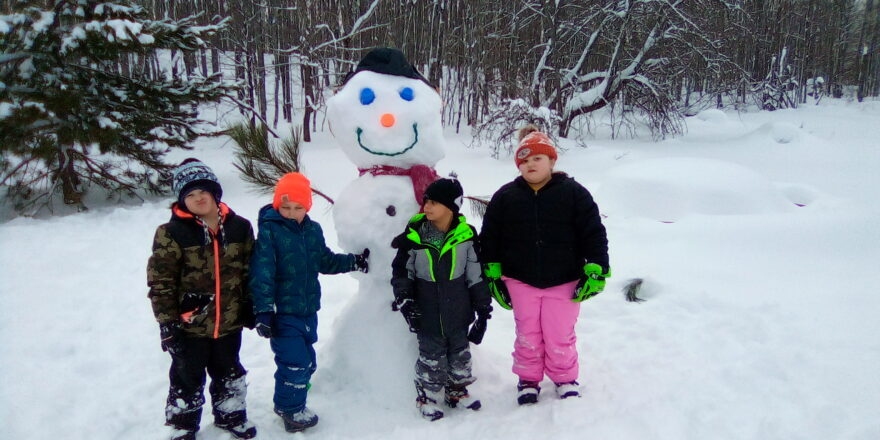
[[285, 264]]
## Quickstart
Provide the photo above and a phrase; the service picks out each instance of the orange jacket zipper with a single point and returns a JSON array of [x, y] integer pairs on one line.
[[216, 286]]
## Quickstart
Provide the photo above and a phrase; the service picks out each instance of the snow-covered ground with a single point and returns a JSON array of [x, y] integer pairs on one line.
[[760, 319]]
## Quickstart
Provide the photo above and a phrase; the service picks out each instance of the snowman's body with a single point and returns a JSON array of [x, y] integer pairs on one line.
[[381, 122]]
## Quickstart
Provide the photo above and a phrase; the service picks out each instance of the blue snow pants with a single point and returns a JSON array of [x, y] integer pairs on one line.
[[292, 342]]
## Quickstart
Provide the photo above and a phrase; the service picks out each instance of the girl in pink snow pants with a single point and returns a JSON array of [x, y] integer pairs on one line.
[[546, 251]]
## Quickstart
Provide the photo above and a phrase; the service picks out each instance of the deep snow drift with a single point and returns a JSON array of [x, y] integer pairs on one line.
[[760, 319]]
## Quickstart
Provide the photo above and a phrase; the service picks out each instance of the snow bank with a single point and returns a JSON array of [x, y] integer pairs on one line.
[[668, 189]]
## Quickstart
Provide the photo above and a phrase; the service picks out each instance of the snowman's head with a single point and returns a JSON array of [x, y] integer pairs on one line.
[[386, 114]]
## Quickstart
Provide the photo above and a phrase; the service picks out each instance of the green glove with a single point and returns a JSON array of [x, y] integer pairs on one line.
[[591, 283], [496, 285], [493, 271]]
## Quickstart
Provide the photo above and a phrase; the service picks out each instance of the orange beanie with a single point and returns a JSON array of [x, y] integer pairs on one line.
[[296, 187], [533, 142]]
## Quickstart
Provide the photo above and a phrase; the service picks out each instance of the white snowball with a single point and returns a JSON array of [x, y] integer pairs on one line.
[[361, 214], [784, 133]]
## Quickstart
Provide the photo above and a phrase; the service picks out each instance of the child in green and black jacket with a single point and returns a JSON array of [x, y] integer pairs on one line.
[[438, 286]]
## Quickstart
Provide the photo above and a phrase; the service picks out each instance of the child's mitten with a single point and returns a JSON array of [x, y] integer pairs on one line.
[[496, 285], [478, 329], [194, 305], [172, 338], [592, 282], [361, 261], [410, 311], [264, 323]]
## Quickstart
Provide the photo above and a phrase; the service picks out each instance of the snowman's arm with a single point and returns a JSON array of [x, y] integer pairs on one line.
[[261, 275]]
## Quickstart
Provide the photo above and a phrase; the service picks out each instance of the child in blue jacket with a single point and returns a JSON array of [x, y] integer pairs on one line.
[[288, 255]]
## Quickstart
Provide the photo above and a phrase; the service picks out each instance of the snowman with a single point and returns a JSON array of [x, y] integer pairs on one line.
[[386, 118]]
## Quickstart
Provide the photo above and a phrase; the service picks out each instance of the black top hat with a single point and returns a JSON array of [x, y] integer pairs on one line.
[[388, 61]]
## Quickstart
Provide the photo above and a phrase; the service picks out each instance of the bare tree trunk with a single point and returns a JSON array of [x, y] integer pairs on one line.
[[308, 82]]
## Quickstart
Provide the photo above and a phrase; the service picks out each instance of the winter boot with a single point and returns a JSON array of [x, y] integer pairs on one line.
[[567, 389], [527, 392], [235, 422], [298, 421], [241, 431], [458, 395], [182, 434], [183, 421], [427, 404]]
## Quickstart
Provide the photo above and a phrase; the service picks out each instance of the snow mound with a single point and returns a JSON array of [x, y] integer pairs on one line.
[[779, 132], [800, 195], [671, 188], [712, 115]]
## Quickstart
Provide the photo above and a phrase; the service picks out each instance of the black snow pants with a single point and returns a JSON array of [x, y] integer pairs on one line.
[[219, 357]]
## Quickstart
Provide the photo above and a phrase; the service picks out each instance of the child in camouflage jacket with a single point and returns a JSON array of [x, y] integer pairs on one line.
[[197, 276]]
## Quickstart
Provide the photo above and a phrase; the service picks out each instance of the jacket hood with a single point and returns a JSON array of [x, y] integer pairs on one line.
[[459, 231], [179, 214]]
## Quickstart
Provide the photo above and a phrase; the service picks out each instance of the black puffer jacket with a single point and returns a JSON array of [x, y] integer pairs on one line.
[[543, 238]]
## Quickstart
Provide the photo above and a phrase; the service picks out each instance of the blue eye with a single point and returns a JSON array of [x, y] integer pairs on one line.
[[407, 94], [367, 96]]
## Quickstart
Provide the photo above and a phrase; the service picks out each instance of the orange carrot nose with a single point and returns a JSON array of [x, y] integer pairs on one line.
[[387, 120]]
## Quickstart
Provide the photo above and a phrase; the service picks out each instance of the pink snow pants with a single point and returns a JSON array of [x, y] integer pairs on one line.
[[545, 338]]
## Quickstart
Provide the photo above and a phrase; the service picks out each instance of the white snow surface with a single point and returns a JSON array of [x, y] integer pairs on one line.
[[760, 319]]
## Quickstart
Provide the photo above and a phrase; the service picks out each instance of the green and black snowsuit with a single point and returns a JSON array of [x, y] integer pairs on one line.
[[445, 281]]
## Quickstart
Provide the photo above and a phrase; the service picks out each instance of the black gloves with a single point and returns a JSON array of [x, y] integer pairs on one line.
[[264, 324], [194, 305], [361, 262], [478, 329], [172, 338], [410, 310]]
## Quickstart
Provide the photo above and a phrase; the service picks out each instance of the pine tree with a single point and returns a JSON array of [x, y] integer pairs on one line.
[[72, 117]]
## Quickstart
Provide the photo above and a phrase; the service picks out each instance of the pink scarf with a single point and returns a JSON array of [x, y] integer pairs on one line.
[[421, 175]]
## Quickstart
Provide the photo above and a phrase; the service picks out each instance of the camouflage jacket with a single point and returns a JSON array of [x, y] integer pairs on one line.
[[287, 259], [182, 271]]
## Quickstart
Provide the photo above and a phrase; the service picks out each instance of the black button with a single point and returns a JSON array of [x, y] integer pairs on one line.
[[391, 210]]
